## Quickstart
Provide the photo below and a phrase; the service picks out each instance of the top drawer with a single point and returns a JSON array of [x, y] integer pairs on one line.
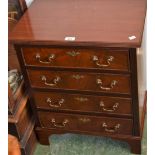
[[107, 59]]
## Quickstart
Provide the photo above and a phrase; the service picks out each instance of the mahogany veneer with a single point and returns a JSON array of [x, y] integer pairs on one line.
[[79, 81], [21, 124], [91, 85], [91, 104], [85, 123], [77, 58], [20, 119]]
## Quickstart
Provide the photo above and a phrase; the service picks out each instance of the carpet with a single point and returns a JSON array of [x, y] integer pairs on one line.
[[74, 144]]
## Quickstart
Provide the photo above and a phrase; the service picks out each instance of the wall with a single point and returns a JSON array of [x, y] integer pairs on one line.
[[28, 2]]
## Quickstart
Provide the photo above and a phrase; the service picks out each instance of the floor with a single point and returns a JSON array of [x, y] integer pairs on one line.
[[81, 145]]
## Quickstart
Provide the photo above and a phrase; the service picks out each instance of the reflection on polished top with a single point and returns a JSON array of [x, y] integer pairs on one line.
[[99, 22]]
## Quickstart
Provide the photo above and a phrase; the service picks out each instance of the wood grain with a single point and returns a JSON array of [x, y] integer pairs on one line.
[[101, 27], [77, 58], [99, 22], [80, 81], [82, 103], [85, 123]]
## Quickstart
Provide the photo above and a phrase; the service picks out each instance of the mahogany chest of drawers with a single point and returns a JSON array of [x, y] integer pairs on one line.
[[83, 63]]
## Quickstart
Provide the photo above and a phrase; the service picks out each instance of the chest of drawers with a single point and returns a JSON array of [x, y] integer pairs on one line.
[[94, 84]]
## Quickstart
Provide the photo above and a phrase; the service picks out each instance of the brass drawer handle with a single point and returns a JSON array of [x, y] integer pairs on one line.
[[49, 101], [54, 83], [114, 107], [115, 128], [100, 83], [59, 125], [108, 61], [50, 58]]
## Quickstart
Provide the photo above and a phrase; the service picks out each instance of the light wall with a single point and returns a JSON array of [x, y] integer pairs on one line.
[[28, 2]]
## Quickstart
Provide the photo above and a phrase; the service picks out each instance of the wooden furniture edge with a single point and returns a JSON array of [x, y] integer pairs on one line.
[[16, 97], [133, 141], [143, 114], [28, 132], [64, 43], [22, 103], [29, 135]]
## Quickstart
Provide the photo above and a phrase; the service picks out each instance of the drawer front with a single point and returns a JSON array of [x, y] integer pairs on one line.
[[108, 59], [106, 125], [82, 103], [19, 126], [110, 83]]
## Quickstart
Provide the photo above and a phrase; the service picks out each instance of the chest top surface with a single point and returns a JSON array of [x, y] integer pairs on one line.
[[106, 22]]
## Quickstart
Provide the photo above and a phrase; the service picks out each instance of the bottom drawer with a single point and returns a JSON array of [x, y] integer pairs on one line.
[[74, 122]]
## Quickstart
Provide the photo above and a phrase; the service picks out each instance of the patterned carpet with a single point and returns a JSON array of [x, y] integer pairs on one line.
[[71, 144]]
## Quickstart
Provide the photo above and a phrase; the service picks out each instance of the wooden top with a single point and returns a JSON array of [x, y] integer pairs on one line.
[[107, 23]]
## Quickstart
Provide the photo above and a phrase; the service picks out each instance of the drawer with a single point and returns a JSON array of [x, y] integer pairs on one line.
[[82, 103], [19, 123], [110, 83], [68, 122], [108, 59]]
